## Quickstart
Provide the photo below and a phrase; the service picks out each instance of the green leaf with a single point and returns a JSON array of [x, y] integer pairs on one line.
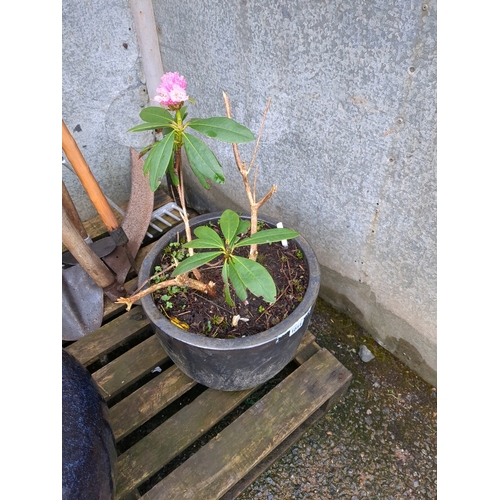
[[171, 172], [158, 159], [149, 126], [222, 128], [238, 285], [145, 150], [196, 260], [203, 162], [155, 118], [225, 277], [268, 236], [155, 114], [253, 276], [244, 226], [203, 244], [208, 236], [229, 223]]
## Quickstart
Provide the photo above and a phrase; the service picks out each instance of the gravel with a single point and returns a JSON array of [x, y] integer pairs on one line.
[[378, 442]]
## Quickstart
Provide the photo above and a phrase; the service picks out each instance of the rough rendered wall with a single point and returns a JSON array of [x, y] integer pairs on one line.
[[102, 91], [350, 138]]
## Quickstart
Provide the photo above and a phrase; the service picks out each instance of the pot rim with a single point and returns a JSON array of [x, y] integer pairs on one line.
[[287, 326]]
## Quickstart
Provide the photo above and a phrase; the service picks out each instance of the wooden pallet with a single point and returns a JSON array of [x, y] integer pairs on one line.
[[179, 440]]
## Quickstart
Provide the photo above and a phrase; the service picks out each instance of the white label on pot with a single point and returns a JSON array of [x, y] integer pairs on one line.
[[283, 242], [298, 324]]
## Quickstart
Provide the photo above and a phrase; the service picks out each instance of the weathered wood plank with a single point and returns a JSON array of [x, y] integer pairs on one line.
[[149, 455], [172, 437], [136, 409], [130, 367], [282, 448], [109, 336], [227, 458], [307, 348], [275, 454]]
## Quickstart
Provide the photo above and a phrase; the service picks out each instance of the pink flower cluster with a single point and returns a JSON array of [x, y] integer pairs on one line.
[[172, 90]]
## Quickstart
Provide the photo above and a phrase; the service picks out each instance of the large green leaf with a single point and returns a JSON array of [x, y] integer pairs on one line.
[[150, 126], [158, 159], [254, 276], [222, 128], [229, 223], [196, 260], [207, 238], [155, 118], [155, 114], [268, 236], [238, 285], [203, 162]]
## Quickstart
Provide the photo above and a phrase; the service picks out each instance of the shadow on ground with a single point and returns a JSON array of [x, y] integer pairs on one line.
[[378, 442]]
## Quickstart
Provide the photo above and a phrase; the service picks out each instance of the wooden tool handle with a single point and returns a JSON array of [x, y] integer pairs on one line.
[[94, 266], [70, 208], [87, 179]]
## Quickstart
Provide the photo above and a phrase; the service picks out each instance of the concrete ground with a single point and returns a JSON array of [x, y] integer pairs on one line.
[[378, 442]]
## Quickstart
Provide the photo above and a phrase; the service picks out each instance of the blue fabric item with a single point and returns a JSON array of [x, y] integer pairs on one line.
[[88, 446]]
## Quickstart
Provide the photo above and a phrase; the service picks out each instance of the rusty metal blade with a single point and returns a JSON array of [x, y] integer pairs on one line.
[[135, 221]]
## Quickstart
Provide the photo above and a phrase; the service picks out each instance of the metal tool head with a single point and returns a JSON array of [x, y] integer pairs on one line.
[[82, 303]]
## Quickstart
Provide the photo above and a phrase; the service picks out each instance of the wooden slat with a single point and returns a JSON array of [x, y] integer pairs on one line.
[[345, 378], [111, 335], [172, 437], [307, 348], [244, 443], [136, 409], [274, 455], [130, 367], [155, 450]]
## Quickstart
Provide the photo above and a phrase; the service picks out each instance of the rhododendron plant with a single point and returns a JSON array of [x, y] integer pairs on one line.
[[165, 156]]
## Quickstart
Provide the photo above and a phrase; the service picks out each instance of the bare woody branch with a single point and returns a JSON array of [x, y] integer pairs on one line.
[[251, 194], [182, 280]]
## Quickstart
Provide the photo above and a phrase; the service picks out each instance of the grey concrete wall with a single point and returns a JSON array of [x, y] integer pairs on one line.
[[350, 138], [103, 91]]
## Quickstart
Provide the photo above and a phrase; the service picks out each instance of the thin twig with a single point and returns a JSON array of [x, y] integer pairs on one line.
[[145, 282], [259, 135]]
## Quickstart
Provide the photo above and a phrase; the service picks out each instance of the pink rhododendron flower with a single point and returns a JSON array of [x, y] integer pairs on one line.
[[172, 90]]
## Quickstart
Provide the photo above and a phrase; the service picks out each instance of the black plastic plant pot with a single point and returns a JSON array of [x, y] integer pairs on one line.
[[231, 364]]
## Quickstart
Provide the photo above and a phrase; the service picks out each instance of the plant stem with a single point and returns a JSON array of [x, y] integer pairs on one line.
[[181, 192], [181, 280]]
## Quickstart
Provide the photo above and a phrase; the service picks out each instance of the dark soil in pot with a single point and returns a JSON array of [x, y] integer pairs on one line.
[[212, 316]]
